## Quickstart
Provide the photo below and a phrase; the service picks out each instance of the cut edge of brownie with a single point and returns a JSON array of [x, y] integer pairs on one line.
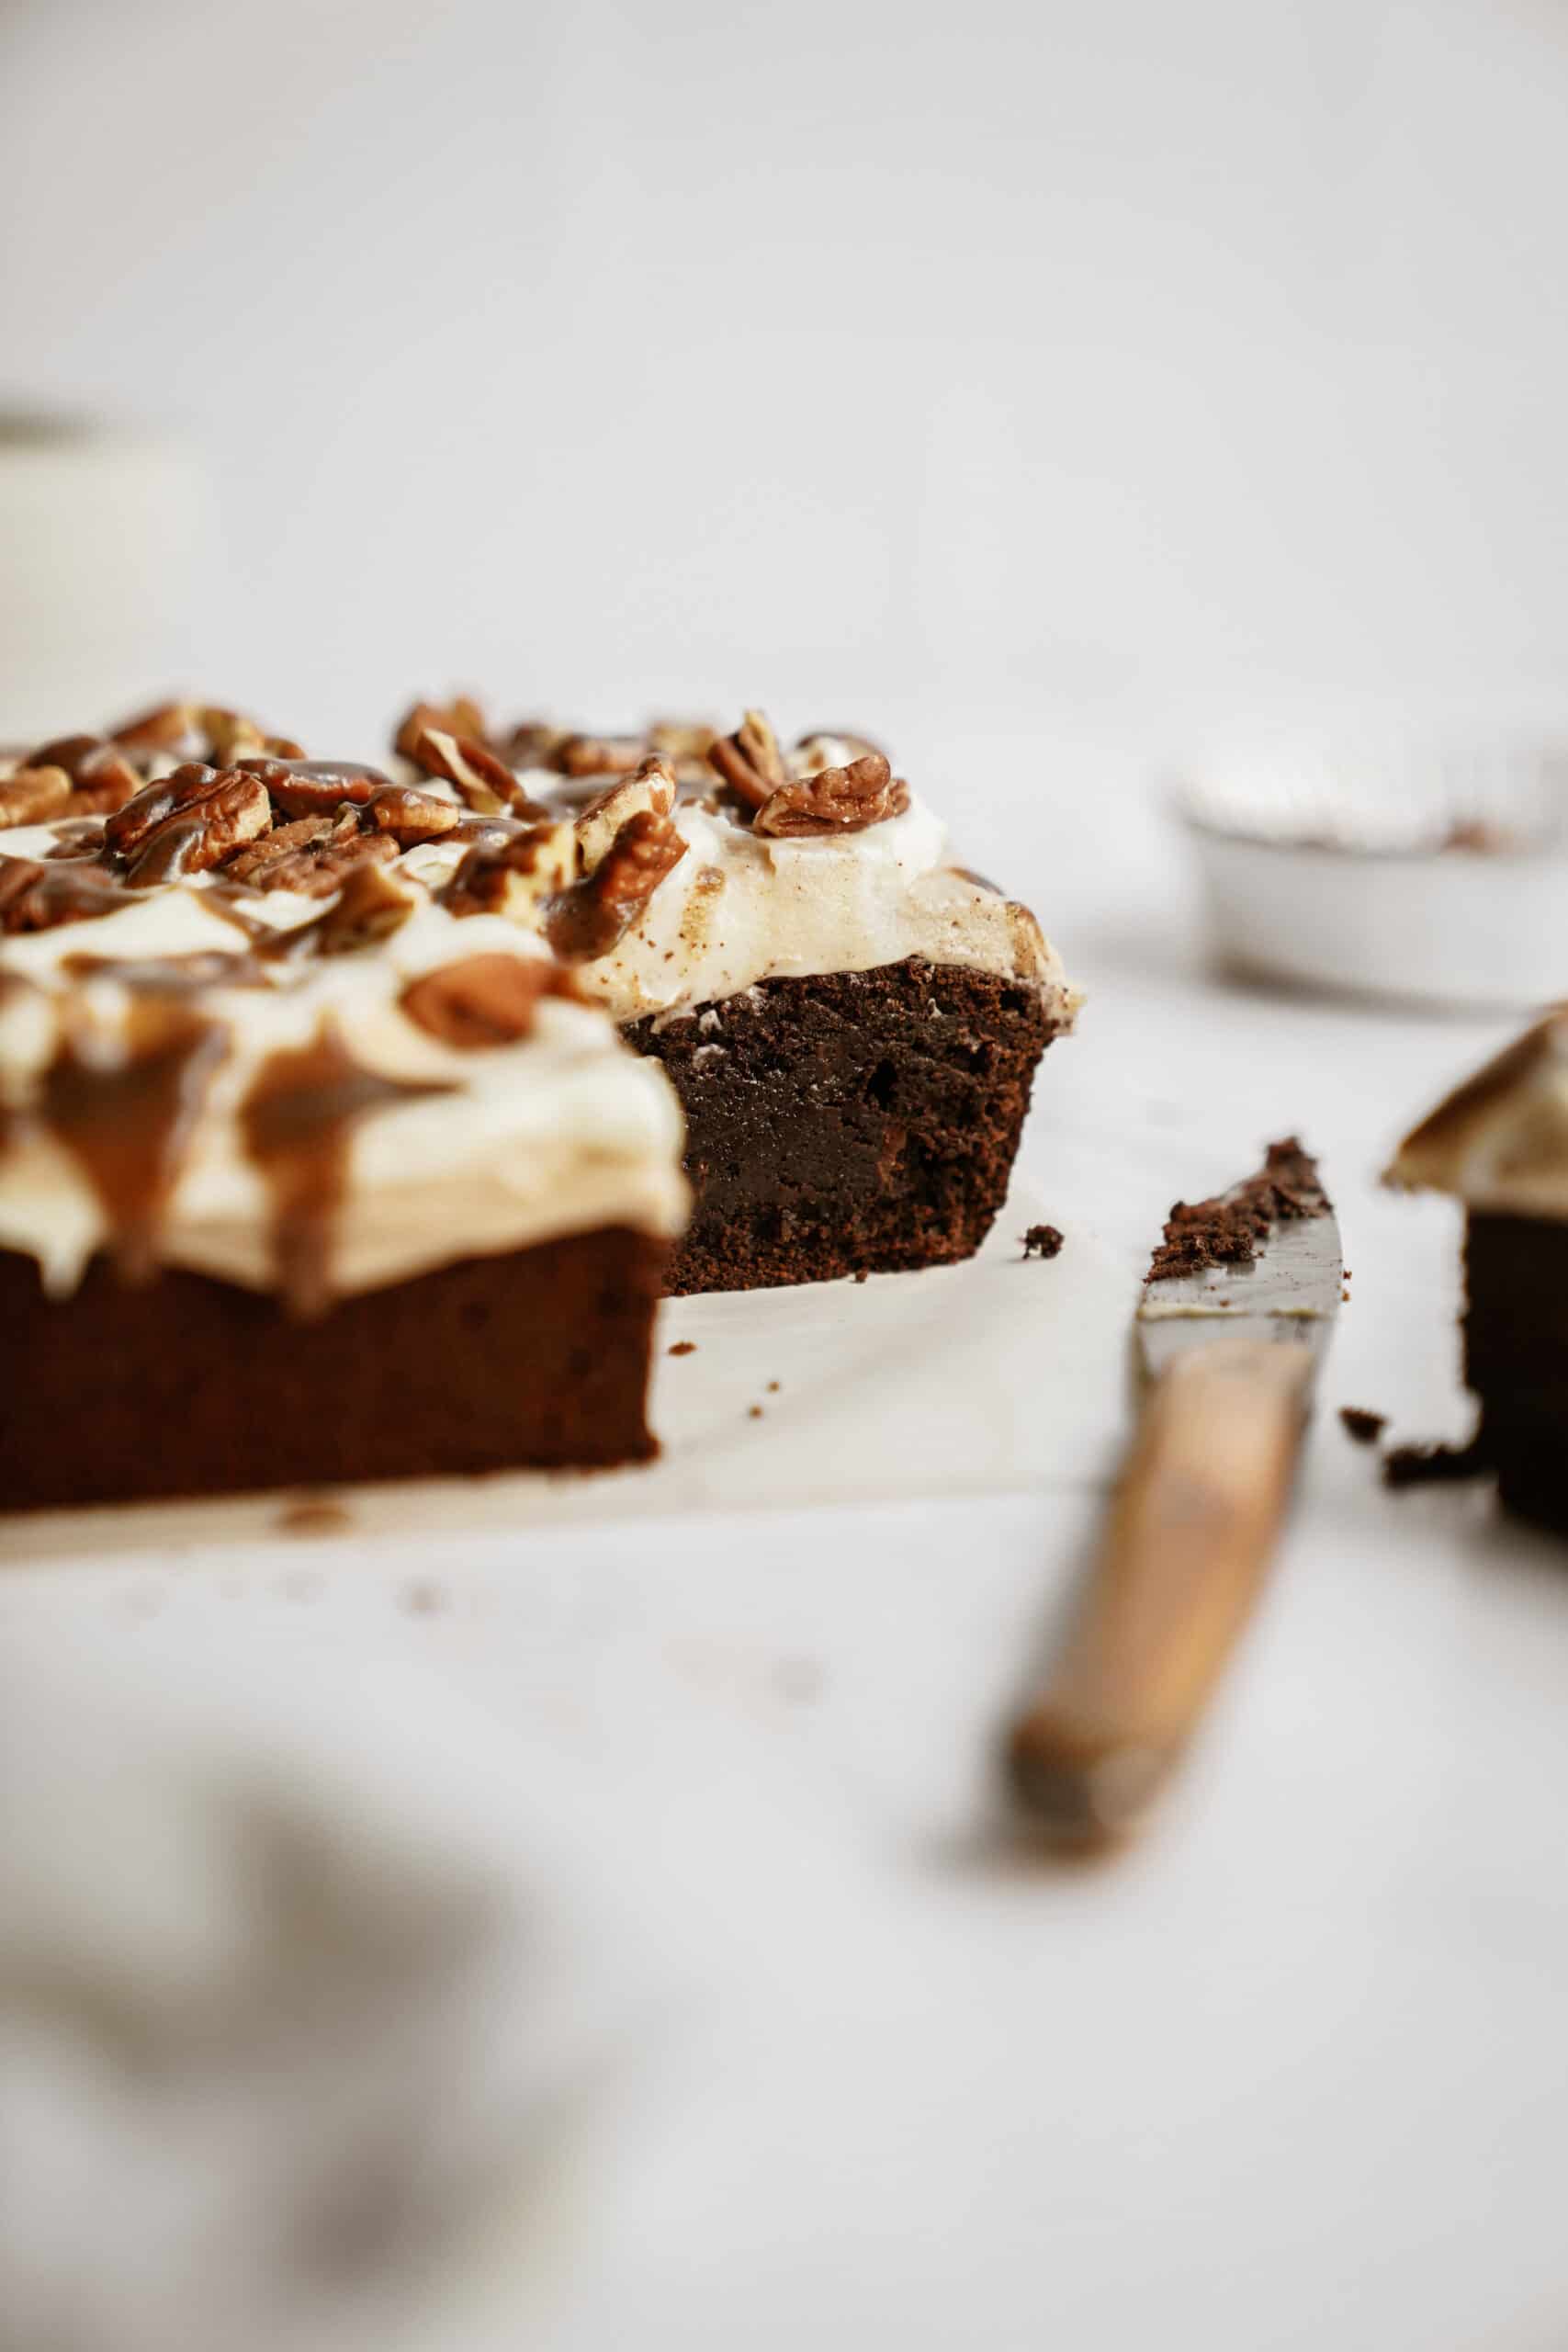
[[1515, 1358], [848, 1123], [184, 1386]]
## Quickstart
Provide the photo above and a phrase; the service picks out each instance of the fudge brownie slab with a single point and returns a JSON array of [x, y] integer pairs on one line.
[[851, 1019], [184, 1386], [853, 1123]]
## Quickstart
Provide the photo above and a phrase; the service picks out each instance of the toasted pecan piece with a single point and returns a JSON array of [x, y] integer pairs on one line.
[[484, 999], [598, 754], [651, 789], [461, 715], [833, 800], [750, 761], [32, 796], [35, 897], [371, 905], [410, 816], [316, 787], [188, 821], [517, 879], [588, 920], [313, 856], [485, 782], [102, 778]]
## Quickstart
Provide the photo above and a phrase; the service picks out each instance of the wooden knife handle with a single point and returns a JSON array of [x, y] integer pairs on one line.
[[1190, 1533]]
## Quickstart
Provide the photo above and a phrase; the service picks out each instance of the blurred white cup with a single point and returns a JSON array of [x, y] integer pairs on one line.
[[102, 528]]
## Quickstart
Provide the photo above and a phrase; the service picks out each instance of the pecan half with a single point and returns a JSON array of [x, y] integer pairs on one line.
[[533, 743], [652, 789], [31, 796], [410, 816], [313, 856], [165, 728], [188, 821], [317, 787], [834, 800], [102, 778], [750, 761], [517, 879], [461, 715], [587, 920], [228, 735], [484, 999]]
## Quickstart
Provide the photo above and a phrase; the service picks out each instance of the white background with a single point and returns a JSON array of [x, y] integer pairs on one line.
[[1124, 361]]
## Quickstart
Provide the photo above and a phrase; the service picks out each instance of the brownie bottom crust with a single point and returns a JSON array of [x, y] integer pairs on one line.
[[1516, 1359], [188, 1386], [852, 1123]]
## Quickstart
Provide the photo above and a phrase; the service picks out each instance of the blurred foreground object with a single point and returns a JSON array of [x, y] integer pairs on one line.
[[1391, 871], [305, 1985], [101, 530], [1236, 1313]]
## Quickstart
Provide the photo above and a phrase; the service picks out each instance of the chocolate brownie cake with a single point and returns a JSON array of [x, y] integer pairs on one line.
[[850, 1021], [303, 1176], [1500, 1145]]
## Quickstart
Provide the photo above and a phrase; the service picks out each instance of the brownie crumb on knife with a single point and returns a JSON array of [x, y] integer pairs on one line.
[[1043, 1241], [1230, 1229]]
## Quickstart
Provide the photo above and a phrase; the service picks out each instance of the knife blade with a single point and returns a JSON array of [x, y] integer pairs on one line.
[[1232, 1327]]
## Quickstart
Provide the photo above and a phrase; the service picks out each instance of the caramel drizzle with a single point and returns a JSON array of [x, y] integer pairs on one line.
[[125, 1105], [296, 1126]]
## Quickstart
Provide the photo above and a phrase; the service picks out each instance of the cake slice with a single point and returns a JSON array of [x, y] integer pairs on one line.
[[303, 1178], [851, 1022], [1499, 1144]]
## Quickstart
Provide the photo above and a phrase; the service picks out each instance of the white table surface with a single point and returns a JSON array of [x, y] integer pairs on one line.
[[1293, 2074]]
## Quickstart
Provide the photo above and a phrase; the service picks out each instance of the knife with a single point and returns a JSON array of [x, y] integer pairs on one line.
[[1228, 1353]]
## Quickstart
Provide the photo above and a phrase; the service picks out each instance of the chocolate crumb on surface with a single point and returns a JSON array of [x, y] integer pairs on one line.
[[1230, 1230], [1043, 1241], [682, 1348], [753, 1413], [1435, 1465], [1363, 1427]]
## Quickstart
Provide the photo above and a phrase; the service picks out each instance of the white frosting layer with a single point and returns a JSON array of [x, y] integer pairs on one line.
[[560, 1132], [741, 907]]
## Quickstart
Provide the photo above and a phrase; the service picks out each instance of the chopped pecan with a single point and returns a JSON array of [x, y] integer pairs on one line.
[[316, 787], [188, 821], [371, 905], [597, 754], [409, 816], [588, 920], [102, 778], [31, 796], [533, 743], [35, 897], [684, 742], [229, 736], [750, 761], [313, 856], [484, 780], [834, 800], [484, 999], [651, 789], [167, 729], [461, 715], [516, 879]]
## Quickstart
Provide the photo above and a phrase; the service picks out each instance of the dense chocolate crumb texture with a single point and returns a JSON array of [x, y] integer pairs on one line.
[[1499, 1142], [239, 1036], [1232, 1229], [731, 860]]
